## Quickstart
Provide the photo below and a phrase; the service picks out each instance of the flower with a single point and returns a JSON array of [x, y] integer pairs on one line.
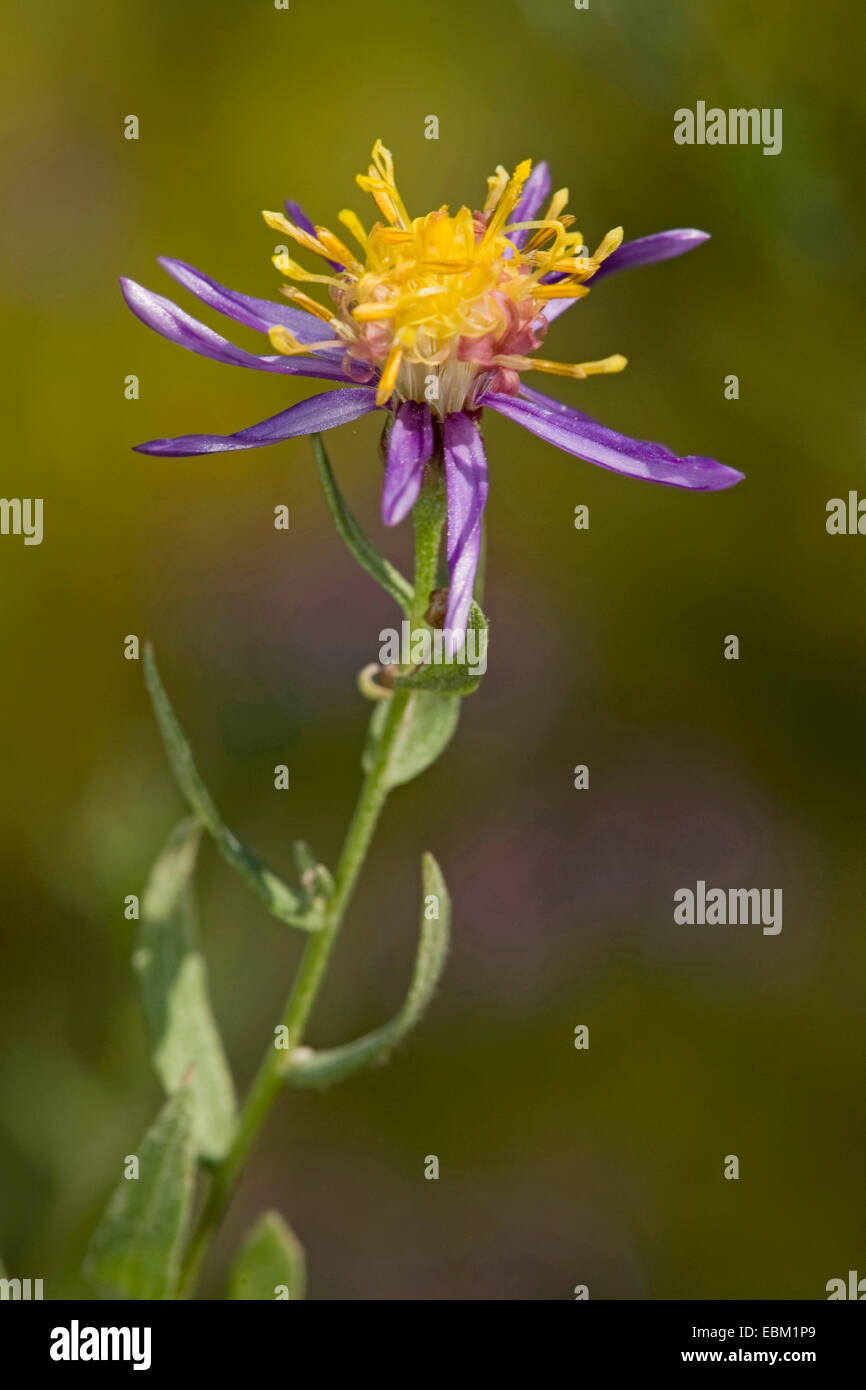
[[433, 319]]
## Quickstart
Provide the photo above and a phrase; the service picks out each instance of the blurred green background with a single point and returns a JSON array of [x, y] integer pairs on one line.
[[558, 1167]]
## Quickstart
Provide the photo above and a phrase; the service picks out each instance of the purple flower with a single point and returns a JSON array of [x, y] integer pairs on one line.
[[433, 319]]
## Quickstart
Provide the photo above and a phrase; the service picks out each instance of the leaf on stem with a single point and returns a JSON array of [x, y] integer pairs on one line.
[[365, 552], [136, 1247], [305, 1068], [276, 894], [172, 978], [270, 1263], [427, 728]]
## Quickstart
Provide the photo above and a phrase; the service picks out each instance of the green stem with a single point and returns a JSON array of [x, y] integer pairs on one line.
[[429, 518], [267, 1082]]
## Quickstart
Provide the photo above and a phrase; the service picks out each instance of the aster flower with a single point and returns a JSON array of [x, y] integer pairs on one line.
[[433, 319]]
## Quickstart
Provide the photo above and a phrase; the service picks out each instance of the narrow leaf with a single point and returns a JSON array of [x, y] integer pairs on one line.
[[276, 894], [306, 1068], [135, 1250], [455, 677], [365, 552], [427, 728], [172, 978], [270, 1264]]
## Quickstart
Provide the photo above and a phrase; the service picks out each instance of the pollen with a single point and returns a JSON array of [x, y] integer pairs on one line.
[[443, 307]]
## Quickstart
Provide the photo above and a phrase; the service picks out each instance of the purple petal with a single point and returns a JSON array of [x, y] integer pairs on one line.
[[297, 215], [320, 412], [661, 246], [576, 433], [535, 192], [179, 327], [466, 477], [410, 445], [261, 314]]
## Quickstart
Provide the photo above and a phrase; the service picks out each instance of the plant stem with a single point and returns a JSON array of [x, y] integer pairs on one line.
[[267, 1082], [429, 519], [428, 516]]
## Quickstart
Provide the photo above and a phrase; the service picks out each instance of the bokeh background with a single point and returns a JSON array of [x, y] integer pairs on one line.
[[558, 1167]]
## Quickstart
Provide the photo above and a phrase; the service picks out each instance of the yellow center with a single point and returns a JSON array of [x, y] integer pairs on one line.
[[438, 304]]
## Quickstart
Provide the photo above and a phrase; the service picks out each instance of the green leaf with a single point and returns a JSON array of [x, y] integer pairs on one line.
[[454, 677], [172, 978], [135, 1250], [270, 1264], [276, 894], [363, 549], [427, 727], [306, 1068]]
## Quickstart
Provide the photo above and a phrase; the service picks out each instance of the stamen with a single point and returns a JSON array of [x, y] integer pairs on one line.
[[509, 200], [388, 378], [286, 266], [496, 185], [311, 305], [278, 223], [604, 367], [383, 200], [610, 244], [353, 223], [286, 342], [379, 180], [375, 309], [338, 249], [524, 226], [555, 229], [384, 161], [394, 236], [565, 220], [584, 266], [563, 290], [557, 203]]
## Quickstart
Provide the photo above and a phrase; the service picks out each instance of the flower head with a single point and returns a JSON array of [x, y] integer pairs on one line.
[[440, 308], [433, 319]]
